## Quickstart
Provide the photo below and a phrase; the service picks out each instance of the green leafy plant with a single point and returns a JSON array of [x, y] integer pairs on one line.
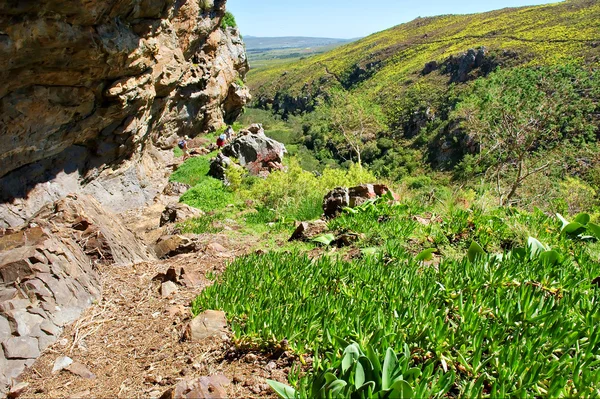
[[359, 375], [580, 228]]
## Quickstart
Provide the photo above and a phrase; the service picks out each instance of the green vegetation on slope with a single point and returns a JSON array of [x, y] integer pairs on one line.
[[436, 83], [461, 322]]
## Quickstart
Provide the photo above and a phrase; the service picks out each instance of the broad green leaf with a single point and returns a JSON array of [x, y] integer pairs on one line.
[[573, 228], [582, 218], [400, 389], [350, 210], [284, 391], [594, 230], [337, 386], [329, 378], [535, 247], [388, 196], [325, 239], [351, 355], [374, 359], [389, 365], [359, 375], [475, 251], [550, 257], [411, 374], [426, 255], [363, 391], [564, 221]]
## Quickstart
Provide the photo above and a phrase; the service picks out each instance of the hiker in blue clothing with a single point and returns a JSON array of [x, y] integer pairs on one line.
[[183, 146]]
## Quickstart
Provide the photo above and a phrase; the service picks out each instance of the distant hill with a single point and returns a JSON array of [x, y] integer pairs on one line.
[[264, 52], [254, 43], [385, 63]]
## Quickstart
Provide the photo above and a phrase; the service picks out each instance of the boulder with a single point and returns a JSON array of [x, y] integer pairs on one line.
[[336, 200], [339, 198], [306, 231], [218, 167], [178, 212], [255, 147]]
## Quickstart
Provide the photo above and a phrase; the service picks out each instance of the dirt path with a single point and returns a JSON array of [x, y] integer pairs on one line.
[[131, 339]]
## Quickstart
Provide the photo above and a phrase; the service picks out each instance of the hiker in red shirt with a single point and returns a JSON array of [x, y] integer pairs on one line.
[[221, 141]]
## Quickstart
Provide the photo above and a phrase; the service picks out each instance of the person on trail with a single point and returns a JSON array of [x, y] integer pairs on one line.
[[229, 133], [183, 146], [221, 141]]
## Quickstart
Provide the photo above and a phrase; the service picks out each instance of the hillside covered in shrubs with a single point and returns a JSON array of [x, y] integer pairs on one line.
[[508, 99]]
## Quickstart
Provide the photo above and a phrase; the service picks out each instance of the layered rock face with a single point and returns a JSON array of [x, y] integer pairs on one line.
[[91, 90]]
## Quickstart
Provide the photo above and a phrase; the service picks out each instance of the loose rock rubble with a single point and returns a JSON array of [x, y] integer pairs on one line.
[[48, 275]]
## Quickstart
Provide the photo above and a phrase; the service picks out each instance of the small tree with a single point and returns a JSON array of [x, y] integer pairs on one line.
[[517, 116], [355, 119]]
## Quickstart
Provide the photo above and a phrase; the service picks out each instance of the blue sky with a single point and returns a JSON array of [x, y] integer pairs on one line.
[[347, 18]]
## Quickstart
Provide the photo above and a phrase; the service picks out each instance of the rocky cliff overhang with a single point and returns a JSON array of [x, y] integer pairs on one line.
[[88, 89]]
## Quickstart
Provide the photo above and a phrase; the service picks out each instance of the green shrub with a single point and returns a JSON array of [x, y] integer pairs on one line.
[[228, 21]]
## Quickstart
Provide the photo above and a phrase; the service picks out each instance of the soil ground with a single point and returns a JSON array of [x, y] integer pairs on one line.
[[131, 339]]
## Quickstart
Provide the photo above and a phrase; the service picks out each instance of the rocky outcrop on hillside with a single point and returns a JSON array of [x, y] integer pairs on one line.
[[48, 275], [89, 89]]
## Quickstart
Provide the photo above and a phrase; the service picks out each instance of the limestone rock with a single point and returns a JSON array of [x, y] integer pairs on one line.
[[61, 363], [218, 167], [175, 213], [336, 200], [17, 390], [5, 330], [176, 189], [210, 324], [80, 370], [50, 260], [255, 151]]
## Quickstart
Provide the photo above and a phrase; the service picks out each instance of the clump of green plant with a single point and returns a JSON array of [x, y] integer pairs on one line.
[[228, 21], [357, 374]]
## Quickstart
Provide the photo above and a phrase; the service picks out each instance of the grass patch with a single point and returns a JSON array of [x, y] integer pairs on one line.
[[193, 171], [208, 195], [201, 225]]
